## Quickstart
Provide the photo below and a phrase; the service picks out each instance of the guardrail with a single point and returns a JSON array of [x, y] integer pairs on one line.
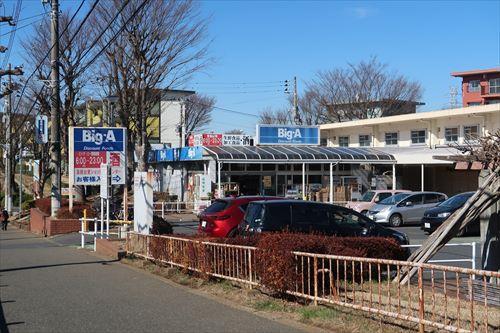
[[472, 260], [98, 232], [442, 297]]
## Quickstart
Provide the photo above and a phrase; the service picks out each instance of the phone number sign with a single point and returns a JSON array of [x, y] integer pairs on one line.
[[92, 146]]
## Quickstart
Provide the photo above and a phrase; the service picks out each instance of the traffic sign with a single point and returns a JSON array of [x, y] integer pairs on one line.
[[92, 146]]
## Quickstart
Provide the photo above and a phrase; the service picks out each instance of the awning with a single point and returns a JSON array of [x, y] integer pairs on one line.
[[298, 154], [421, 155]]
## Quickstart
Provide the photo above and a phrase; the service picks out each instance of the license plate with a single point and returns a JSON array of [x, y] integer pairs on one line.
[[427, 225], [203, 224]]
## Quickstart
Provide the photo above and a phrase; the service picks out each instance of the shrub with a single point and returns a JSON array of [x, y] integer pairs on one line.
[[161, 226], [78, 208]]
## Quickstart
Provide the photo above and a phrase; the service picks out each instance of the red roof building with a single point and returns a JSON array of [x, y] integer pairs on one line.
[[480, 87]]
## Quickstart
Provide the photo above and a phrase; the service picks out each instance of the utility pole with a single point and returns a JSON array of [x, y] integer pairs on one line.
[[8, 133], [20, 174], [55, 111], [296, 115], [8, 147]]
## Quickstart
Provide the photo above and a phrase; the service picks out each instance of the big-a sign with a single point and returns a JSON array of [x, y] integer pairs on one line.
[[89, 147], [287, 135]]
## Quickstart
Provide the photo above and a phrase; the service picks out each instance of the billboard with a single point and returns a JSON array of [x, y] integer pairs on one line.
[[216, 140], [287, 135], [89, 147]]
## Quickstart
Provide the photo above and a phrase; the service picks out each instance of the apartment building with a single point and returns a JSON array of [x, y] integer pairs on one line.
[[417, 141], [480, 87]]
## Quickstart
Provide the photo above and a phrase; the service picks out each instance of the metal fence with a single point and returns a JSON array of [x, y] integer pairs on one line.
[[447, 298]]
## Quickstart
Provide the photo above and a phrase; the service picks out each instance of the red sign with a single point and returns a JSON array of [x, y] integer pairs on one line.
[[89, 159], [191, 140], [212, 140], [114, 159]]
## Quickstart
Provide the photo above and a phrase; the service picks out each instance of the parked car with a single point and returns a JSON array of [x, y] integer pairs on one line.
[[370, 198], [222, 217], [434, 217], [308, 216], [404, 208]]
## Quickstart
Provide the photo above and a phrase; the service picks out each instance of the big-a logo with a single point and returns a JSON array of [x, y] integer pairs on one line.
[[289, 134], [98, 137]]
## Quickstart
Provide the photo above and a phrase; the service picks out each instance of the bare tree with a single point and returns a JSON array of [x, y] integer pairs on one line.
[[364, 90], [279, 117], [159, 44], [198, 112], [235, 131]]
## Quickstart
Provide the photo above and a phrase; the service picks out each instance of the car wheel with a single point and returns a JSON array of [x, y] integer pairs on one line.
[[395, 220]]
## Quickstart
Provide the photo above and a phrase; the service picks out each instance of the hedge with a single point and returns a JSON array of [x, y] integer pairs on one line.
[[275, 263]]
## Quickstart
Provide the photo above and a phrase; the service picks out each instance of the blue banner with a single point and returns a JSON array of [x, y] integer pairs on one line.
[[179, 154], [287, 135], [99, 139]]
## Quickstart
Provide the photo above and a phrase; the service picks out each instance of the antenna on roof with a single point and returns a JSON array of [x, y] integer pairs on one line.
[[453, 97]]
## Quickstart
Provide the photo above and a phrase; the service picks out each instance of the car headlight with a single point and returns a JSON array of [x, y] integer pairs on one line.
[[444, 214]]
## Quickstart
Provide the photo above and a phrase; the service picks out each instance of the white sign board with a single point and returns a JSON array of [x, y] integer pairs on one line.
[[41, 129], [236, 140], [89, 147], [104, 181], [205, 186], [143, 202]]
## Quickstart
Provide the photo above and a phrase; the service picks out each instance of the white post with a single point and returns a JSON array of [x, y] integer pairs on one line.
[[331, 183], [393, 177], [218, 180], [473, 266], [83, 235], [102, 216], [303, 181], [95, 232], [163, 209], [422, 177], [107, 218]]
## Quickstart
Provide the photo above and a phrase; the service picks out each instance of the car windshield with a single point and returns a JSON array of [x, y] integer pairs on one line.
[[455, 201], [253, 215], [394, 199], [368, 196], [217, 206]]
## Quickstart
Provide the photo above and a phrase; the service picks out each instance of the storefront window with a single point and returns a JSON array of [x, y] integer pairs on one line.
[[237, 167], [268, 167], [282, 167], [297, 167], [253, 167], [314, 167]]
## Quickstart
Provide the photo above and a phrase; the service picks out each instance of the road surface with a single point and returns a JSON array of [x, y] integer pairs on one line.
[[49, 287]]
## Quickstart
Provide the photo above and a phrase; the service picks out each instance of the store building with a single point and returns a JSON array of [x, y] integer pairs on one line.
[[285, 159]]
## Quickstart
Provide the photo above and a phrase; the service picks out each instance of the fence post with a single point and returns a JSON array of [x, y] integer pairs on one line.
[[421, 310], [473, 259], [250, 273], [163, 209], [95, 233], [315, 261]]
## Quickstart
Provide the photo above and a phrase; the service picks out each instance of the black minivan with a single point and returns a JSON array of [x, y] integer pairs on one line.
[[308, 217]]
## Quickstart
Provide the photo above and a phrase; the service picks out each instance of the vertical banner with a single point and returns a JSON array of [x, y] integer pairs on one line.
[[143, 202]]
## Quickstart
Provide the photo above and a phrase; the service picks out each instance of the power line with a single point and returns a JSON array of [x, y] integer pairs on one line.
[[237, 83], [17, 11], [30, 17], [22, 27], [48, 53], [223, 109], [245, 92]]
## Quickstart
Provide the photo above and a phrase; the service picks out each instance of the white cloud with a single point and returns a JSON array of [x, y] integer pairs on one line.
[[361, 12]]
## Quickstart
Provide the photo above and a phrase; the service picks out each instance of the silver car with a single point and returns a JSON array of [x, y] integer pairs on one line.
[[404, 208]]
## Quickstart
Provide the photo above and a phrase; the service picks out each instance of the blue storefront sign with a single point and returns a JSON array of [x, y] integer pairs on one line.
[[99, 139], [287, 135], [179, 154]]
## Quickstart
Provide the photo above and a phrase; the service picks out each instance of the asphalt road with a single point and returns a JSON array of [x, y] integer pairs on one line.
[[49, 287]]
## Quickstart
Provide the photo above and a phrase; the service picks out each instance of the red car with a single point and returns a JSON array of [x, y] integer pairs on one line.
[[222, 217]]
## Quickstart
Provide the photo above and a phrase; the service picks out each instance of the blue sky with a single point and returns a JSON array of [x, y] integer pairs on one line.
[[257, 44]]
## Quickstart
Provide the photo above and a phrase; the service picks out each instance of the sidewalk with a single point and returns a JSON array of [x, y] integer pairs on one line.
[[46, 287]]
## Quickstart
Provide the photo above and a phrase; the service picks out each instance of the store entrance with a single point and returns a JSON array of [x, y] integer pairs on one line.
[[249, 184]]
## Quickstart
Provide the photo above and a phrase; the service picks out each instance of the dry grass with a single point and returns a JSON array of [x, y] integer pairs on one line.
[[331, 317]]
